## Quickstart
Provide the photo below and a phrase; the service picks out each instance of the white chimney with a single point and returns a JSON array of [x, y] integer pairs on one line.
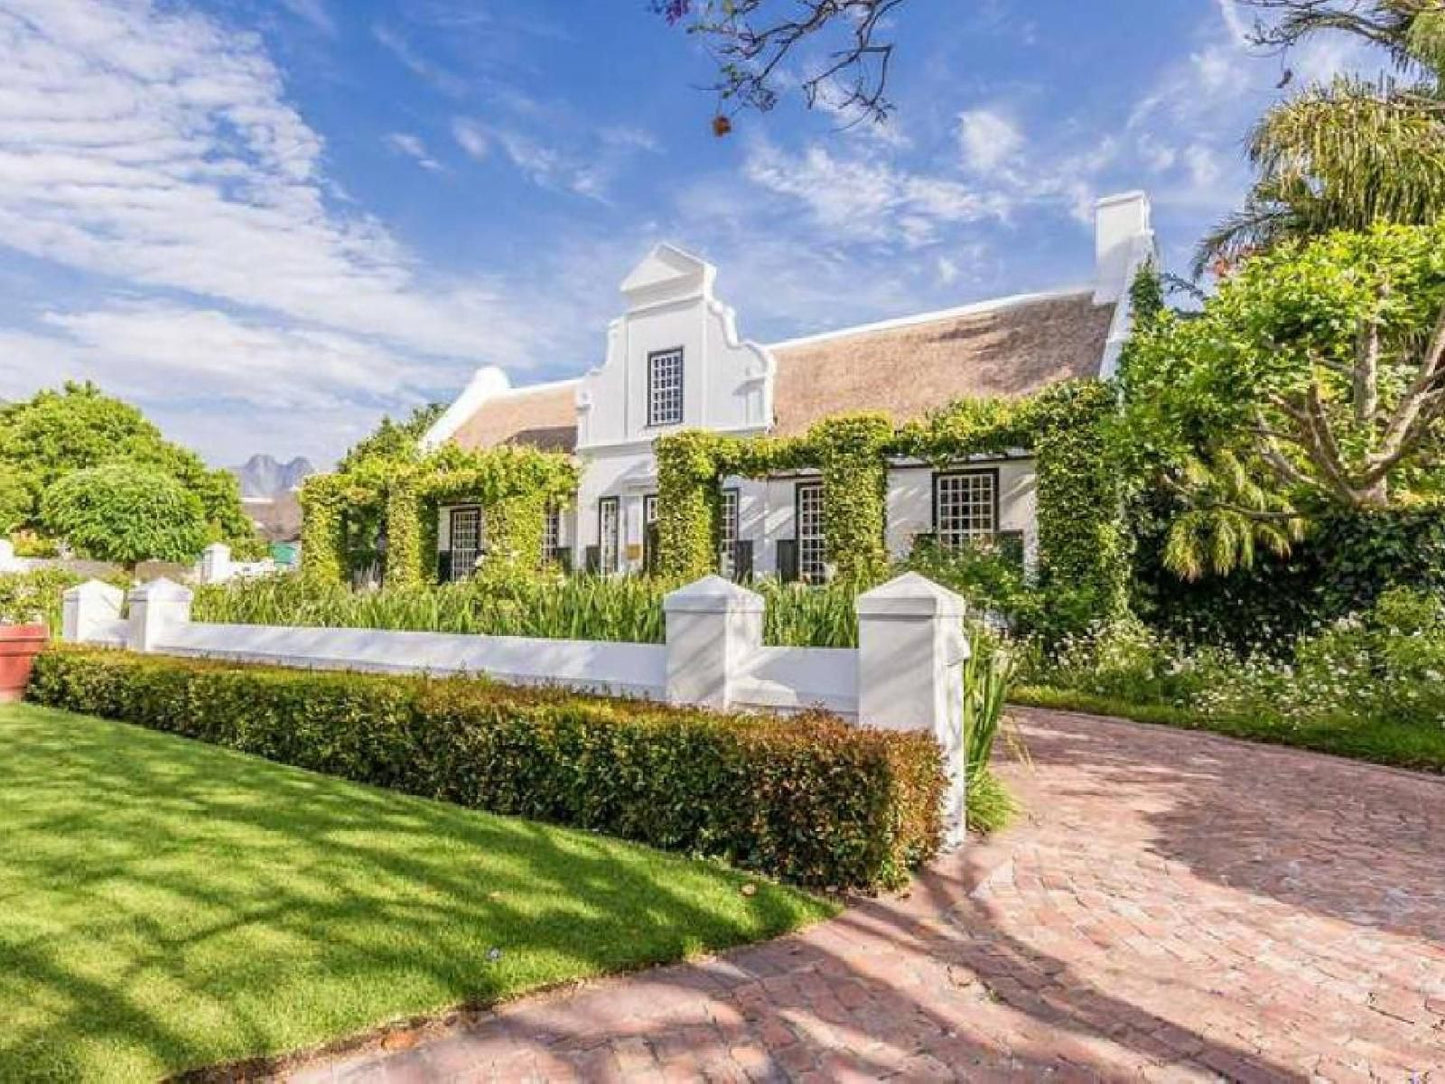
[[1123, 239]]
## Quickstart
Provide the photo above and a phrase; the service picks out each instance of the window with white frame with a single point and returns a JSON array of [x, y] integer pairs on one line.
[[552, 533], [728, 533], [965, 506], [608, 524], [664, 387], [466, 541], [809, 514]]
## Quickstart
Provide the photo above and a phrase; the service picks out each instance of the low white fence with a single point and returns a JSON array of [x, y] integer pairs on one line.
[[906, 674], [216, 566]]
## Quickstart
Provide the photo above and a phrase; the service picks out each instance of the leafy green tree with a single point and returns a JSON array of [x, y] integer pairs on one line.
[[1313, 380], [1352, 152], [125, 512], [393, 441], [17, 500], [54, 433]]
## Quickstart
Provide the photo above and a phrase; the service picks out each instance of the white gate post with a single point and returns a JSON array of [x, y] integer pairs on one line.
[[87, 608], [157, 609], [713, 626], [215, 563], [911, 650]]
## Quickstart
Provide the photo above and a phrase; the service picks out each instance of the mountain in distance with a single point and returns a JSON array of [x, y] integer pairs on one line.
[[263, 478]]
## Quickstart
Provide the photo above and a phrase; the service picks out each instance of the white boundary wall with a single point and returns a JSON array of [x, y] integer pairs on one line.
[[906, 674]]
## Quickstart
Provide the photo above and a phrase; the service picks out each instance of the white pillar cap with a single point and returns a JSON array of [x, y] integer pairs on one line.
[[911, 595], [712, 595]]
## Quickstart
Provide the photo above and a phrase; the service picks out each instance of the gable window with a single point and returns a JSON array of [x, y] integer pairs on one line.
[[466, 542], [728, 533], [965, 506], [809, 515], [608, 523], [664, 387]]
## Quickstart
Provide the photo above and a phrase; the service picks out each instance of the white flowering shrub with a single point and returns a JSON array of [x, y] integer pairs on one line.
[[1387, 663]]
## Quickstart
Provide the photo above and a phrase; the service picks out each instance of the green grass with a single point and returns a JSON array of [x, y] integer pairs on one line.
[[1380, 741], [166, 904]]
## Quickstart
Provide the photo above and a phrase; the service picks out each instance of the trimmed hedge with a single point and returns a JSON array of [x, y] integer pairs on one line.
[[808, 799]]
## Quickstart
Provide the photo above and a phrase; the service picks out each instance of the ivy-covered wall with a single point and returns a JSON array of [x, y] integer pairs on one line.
[[513, 486], [1083, 551]]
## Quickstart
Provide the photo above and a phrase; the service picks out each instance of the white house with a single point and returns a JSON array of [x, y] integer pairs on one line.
[[675, 360]]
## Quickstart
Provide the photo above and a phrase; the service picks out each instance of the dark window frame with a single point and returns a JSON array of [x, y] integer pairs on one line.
[[653, 422], [478, 549], [798, 487], [955, 472]]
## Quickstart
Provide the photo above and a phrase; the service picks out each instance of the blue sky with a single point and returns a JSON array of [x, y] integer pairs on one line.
[[270, 221]]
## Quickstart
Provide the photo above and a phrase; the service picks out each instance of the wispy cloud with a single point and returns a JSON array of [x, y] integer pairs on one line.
[[583, 164], [314, 12], [988, 139], [414, 148]]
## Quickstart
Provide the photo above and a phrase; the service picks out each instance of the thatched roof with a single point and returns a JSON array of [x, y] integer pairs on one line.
[[907, 368], [903, 367], [544, 417]]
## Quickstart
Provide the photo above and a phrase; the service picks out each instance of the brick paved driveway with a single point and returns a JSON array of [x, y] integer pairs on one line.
[[1175, 906]]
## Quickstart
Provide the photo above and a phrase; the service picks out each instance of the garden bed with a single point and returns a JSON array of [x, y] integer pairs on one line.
[[171, 905]]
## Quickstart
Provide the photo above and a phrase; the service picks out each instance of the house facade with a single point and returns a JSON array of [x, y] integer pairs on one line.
[[675, 360]]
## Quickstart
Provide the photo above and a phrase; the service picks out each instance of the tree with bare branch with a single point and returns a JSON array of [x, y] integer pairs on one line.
[[758, 44]]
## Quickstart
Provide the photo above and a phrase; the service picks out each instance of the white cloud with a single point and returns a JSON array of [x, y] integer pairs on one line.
[[586, 166], [470, 137], [864, 199], [414, 148], [314, 12], [159, 148], [988, 139]]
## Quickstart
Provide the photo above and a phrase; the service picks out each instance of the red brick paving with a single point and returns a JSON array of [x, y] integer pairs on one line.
[[1174, 906]]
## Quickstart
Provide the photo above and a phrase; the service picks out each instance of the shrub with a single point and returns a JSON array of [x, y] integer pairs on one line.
[[808, 799], [35, 596], [126, 512]]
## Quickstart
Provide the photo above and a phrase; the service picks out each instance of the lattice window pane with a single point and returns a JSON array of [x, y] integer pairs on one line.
[[810, 531], [728, 533], [552, 533], [608, 539], [466, 541], [664, 388], [965, 507]]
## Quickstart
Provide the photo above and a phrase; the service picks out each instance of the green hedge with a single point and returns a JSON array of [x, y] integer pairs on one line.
[[808, 799]]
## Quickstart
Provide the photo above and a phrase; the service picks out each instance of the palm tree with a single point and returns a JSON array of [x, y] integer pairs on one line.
[[1353, 152]]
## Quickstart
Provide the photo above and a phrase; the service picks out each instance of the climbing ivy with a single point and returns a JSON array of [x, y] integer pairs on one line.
[[513, 485], [1082, 545]]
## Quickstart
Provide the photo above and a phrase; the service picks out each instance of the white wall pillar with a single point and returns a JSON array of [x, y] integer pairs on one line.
[[215, 563], [88, 609], [713, 628], [8, 561], [911, 650], [157, 609]]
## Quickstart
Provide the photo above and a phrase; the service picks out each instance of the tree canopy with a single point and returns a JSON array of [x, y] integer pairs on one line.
[[54, 433], [1351, 152], [1313, 379], [125, 512]]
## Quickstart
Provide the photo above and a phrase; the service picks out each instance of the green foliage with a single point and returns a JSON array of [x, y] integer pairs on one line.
[[1312, 380], [127, 513], [35, 596], [55, 433], [392, 442], [1384, 663], [987, 676], [17, 500], [513, 485], [206, 907], [809, 799], [1083, 548]]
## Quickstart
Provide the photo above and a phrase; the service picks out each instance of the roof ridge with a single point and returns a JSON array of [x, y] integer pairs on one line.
[[972, 309]]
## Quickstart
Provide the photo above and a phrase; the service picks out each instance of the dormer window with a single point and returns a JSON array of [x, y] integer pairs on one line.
[[664, 387]]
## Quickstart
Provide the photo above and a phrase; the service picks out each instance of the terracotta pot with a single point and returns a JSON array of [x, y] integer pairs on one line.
[[19, 644]]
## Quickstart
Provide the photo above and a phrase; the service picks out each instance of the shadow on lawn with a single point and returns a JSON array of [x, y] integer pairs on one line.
[[976, 977], [168, 904]]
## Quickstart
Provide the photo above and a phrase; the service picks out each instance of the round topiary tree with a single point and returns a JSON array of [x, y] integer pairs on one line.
[[125, 512]]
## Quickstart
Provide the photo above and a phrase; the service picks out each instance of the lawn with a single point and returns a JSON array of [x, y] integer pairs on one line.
[[169, 904]]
